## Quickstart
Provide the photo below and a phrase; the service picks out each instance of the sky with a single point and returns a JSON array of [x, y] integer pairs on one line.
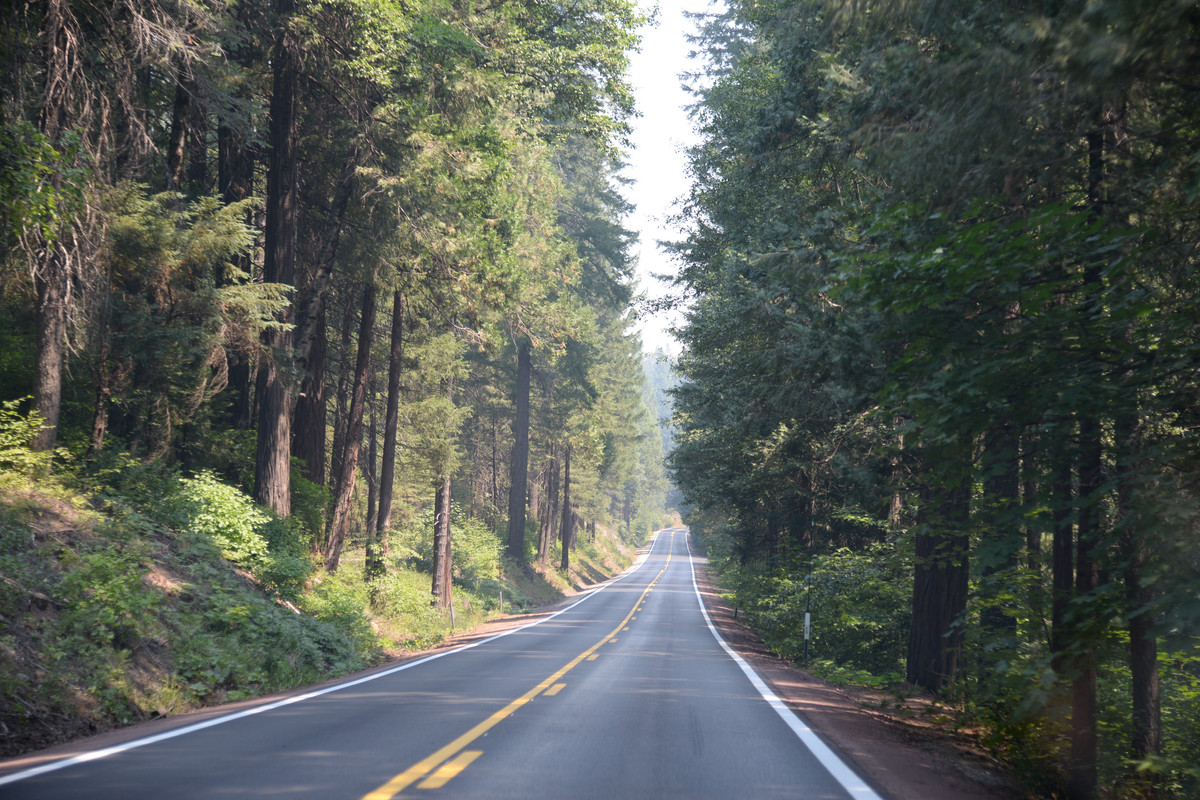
[[656, 162]]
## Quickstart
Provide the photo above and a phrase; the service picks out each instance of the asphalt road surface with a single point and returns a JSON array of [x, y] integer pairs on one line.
[[628, 693]]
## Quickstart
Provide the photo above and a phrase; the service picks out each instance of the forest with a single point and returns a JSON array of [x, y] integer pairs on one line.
[[337, 293], [940, 367], [342, 285]]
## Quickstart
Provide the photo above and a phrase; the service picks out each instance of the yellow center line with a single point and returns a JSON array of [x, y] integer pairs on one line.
[[450, 770], [555, 689], [425, 765]]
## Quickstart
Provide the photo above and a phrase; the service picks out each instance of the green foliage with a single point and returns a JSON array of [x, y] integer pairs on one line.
[[310, 501], [138, 619], [17, 462], [206, 506], [475, 552], [858, 601], [936, 270], [402, 604], [42, 183], [173, 310], [105, 602], [274, 550], [341, 599], [492, 134]]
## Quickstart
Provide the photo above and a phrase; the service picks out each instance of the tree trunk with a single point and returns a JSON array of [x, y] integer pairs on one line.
[[272, 480], [494, 505], [896, 506], [1001, 496], [567, 528], [309, 420], [548, 515], [520, 458], [310, 307], [342, 399], [177, 140], [196, 171], [51, 283], [235, 182], [52, 273], [371, 471], [441, 542], [1033, 533], [939, 581], [349, 461], [101, 370], [1062, 580], [1146, 739], [1083, 776], [387, 472]]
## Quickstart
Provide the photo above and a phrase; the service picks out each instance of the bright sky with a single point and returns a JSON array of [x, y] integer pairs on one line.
[[657, 162]]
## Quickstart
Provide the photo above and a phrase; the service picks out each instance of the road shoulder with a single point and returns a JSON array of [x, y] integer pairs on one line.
[[909, 759]]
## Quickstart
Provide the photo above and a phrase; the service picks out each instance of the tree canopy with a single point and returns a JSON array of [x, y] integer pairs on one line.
[[940, 266]]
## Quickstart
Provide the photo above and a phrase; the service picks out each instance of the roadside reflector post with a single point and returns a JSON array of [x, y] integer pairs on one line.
[[807, 631]]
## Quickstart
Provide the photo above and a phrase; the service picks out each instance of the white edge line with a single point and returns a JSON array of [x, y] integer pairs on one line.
[[841, 772], [96, 755]]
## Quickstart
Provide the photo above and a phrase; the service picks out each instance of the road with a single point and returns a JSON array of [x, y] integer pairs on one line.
[[628, 693]]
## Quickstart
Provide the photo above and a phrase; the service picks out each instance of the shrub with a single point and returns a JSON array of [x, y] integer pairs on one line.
[[273, 550], [206, 506], [341, 599], [17, 461], [104, 600]]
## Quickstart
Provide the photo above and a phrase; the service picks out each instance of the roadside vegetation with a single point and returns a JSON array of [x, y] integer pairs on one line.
[[316, 339], [939, 379], [129, 592]]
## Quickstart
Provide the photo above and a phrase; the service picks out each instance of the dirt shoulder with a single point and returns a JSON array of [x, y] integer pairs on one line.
[[906, 747]]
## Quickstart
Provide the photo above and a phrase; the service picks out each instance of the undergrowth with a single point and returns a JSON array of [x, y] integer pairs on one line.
[[129, 591]]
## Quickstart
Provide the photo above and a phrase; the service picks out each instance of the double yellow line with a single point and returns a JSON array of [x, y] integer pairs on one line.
[[454, 757]]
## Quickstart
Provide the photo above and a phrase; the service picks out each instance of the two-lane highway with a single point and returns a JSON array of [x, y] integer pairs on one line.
[[627, 693]]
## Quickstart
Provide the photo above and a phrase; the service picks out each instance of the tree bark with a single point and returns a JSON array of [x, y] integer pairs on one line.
[[550, 502], [52, 273], [387, 471], [939, 582], [372, 472], [1082, 778], [567, 528], [1082, 774], [520, 458], [1146, 738], [235, 182], [310, 307], [235, 178], [272, 479], [309, 420], [342, 398], [196, 169], [494, 505], [349, 461], [1001, 496], [177, 139], [441, 542]]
